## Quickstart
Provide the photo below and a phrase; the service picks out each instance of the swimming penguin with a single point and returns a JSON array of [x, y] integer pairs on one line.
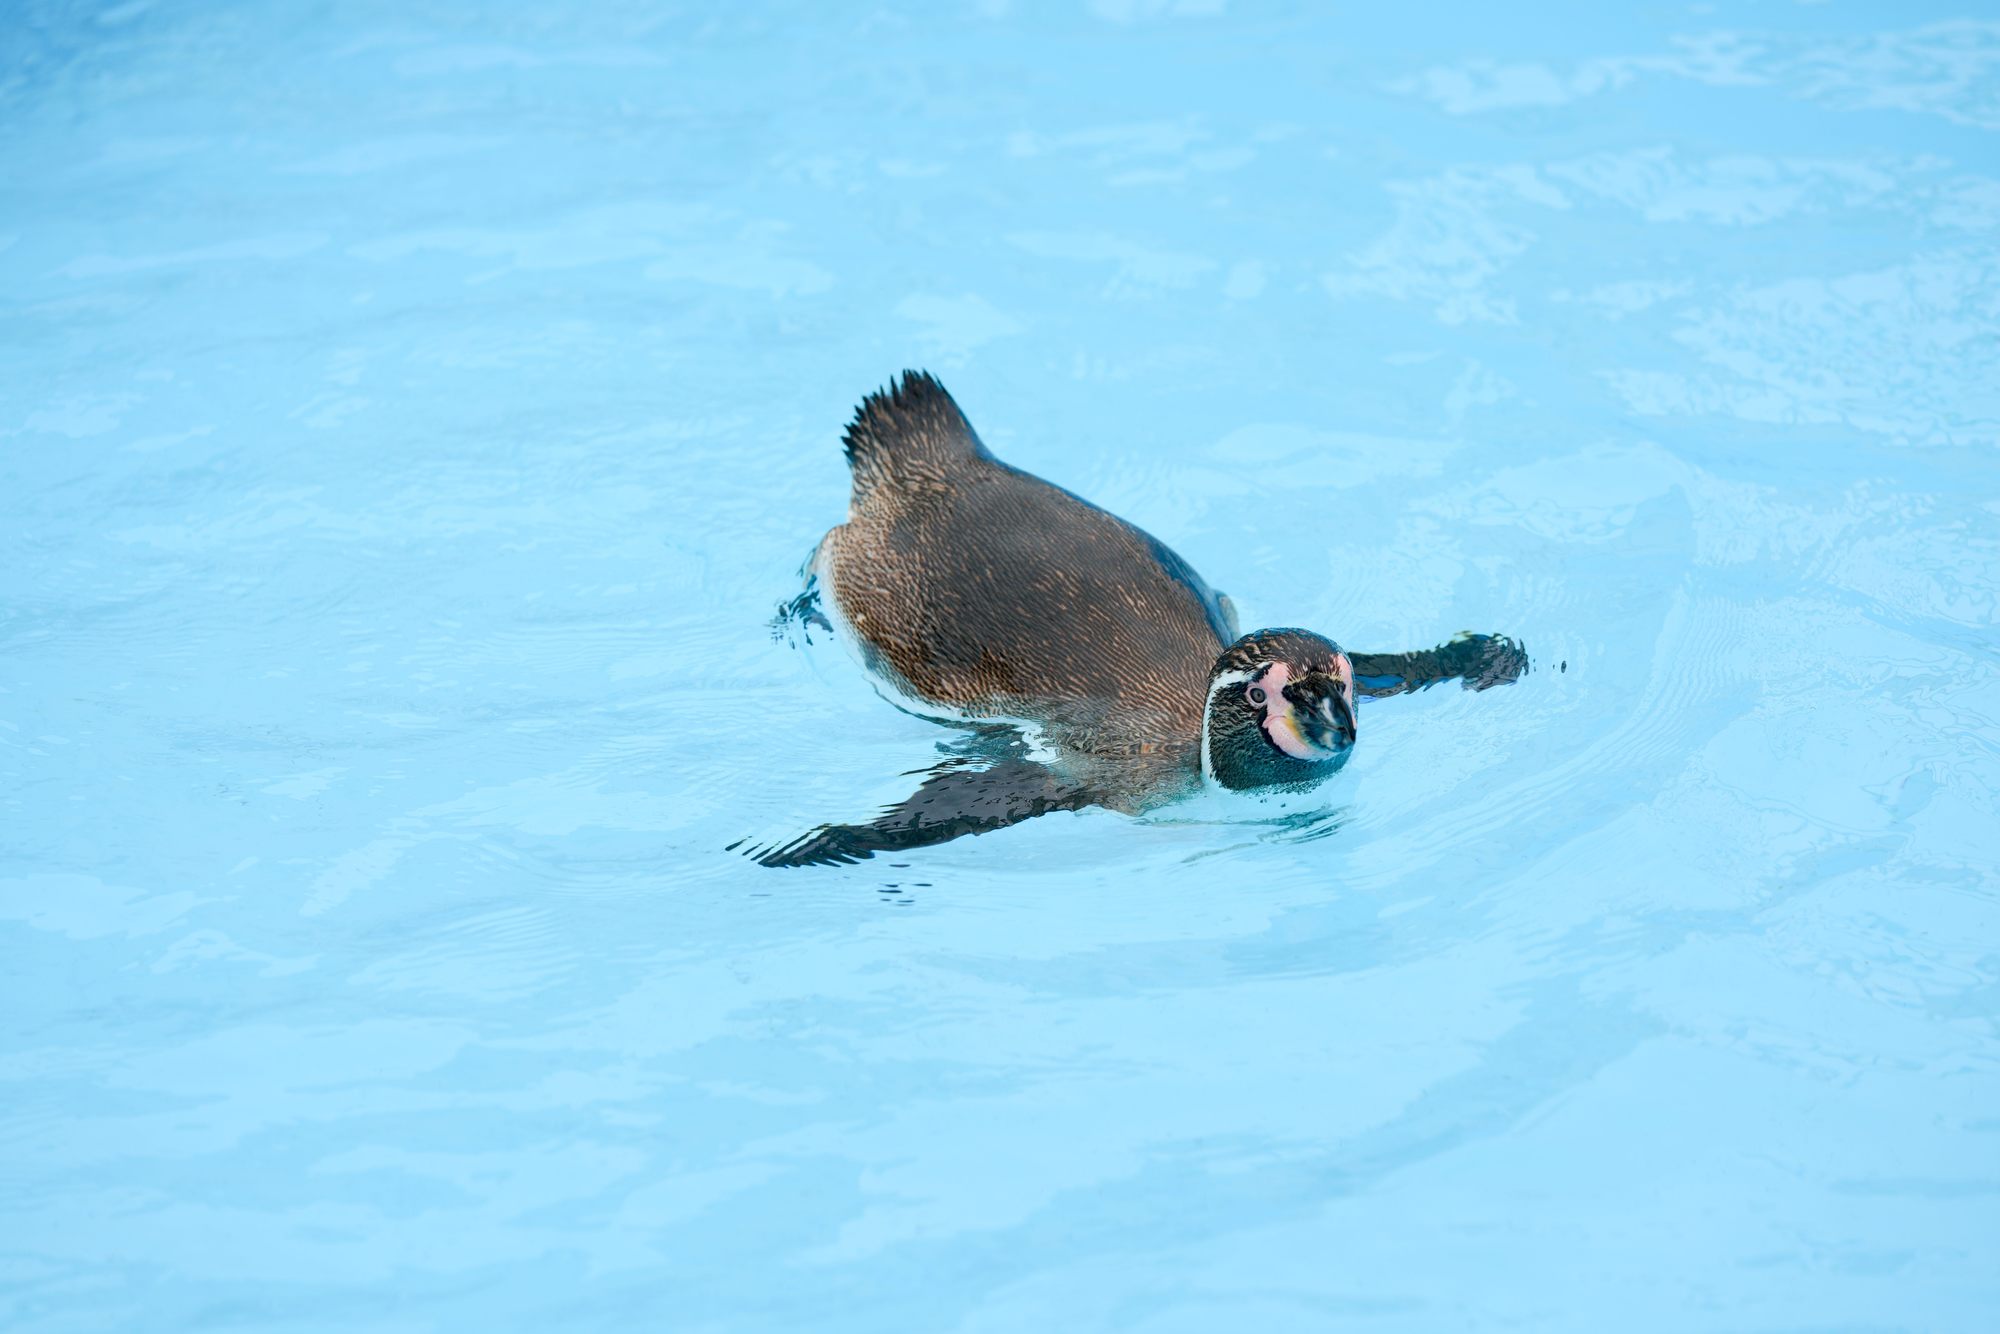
[[976, 592]]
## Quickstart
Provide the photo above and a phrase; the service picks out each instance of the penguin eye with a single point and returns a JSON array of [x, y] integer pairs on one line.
[[1257, 695]]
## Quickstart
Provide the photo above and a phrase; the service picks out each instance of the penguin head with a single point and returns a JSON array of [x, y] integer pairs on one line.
[[1280, 711]]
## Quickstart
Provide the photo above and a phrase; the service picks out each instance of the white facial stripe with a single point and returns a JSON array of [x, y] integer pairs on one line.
[[1225, 679], [1229, 679]]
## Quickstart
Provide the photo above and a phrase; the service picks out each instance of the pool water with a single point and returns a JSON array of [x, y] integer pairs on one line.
[[411, 416]]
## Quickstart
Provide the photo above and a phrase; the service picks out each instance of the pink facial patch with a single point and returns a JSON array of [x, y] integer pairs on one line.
[[1281, 722]]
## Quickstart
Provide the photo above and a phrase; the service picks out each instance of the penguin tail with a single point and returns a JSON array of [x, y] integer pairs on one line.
[[909, 434]]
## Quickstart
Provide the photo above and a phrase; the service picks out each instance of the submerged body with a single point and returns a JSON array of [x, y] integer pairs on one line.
[[975, 591]]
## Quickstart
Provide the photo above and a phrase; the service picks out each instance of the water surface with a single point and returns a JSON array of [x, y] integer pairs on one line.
[[411, 414]]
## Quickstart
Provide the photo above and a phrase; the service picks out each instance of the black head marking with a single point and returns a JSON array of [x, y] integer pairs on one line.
[[1299, 732]]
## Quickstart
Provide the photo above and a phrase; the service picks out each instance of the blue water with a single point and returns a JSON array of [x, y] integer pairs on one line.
[[411, 415]]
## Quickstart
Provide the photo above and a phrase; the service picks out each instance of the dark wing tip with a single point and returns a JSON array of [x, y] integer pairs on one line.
[[829, 845], [1490, 660]]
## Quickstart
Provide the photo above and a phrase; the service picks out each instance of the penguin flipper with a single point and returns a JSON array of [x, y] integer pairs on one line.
[[802, 613], [949, 804], [1481, 661]]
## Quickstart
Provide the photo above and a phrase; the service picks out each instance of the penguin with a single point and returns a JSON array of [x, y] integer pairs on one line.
[[977, 593]]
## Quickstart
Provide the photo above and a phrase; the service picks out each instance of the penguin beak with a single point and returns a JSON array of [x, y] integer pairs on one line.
[[1329, 723], [1311, 719]]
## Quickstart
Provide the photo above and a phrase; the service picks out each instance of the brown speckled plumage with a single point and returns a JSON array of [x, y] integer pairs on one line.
[[983, 590]]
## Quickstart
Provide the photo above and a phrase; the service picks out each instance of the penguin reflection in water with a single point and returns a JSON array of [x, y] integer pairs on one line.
[[975, 592]]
